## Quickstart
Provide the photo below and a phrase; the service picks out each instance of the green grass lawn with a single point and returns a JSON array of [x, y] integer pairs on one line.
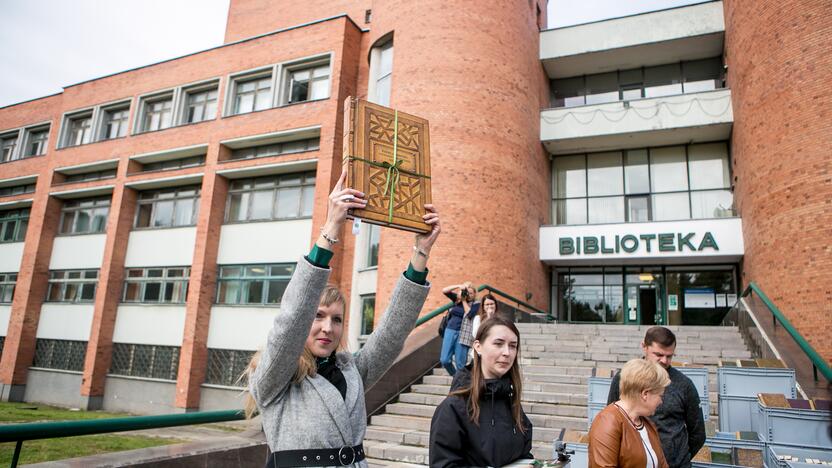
[[35, 451]]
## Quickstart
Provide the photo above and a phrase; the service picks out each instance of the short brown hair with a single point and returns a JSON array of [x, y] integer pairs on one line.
[[660, 335], [639, 375]]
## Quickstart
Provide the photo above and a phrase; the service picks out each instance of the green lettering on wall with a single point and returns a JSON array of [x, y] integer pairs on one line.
[[578, 245], [567, 246], [666, 243], [604, 248], [590, 245], [685, 241], [708, 241], [632, 241], [617, 243], [647, 238]]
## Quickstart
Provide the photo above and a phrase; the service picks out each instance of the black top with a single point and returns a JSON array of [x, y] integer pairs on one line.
[[455, 441], [328, 370], [678, 419]]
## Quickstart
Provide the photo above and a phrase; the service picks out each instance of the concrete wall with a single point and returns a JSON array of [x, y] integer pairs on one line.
[[5, 313], [216, 399], [65, 321], [150, 324], [10, 255], [161, 247], [240, 327], [54, 387], [139, 396], [76, 252], [265, 242]]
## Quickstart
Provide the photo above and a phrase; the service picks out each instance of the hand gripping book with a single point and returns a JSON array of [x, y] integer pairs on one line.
[[387, 156]]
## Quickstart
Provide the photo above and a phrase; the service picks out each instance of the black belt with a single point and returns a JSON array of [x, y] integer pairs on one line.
[[343, 456]]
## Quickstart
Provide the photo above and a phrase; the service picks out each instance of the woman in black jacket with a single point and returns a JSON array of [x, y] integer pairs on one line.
[[482, 423]]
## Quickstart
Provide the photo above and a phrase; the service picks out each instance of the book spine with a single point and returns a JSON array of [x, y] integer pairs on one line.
[[349, 142]]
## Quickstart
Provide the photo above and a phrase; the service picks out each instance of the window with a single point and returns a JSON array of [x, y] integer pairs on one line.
[[252, 94], [151, 361], [13, 224], [225, 366], [72, 286], [626, 85], [652, 184], [36, 140], [271, 198], [89, 176], [276, 149], [368, 313], [7, 282], [114, 122], [168, 207], [60, 354], [307, 84], [382, 68], [8, 143], [253, 284], [374, 236], [157, 285], [156, 113], [16, 190], [86, 216], [200, 104], [174, 164], [79, 129]]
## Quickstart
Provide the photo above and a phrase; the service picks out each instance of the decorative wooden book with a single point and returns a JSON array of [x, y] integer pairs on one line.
[[387, 156]]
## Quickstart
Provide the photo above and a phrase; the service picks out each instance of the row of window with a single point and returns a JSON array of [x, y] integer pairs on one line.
[[224, 366], [13, 225], [648, 184], [17, 190], [646, 82], [252, 91], [34, 140]]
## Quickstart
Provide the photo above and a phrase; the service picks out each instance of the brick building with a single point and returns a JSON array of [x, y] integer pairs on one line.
[[608, 172]]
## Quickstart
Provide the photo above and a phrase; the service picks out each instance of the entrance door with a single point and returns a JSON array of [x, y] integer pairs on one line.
[[647, 305]]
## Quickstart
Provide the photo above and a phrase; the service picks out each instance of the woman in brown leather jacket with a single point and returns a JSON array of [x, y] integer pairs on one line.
[[621, 434]]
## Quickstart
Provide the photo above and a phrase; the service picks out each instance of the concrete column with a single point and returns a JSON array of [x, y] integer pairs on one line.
[[108, 296], [201, 289], [30, 292]]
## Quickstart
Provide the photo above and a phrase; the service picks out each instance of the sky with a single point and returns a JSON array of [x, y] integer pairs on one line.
[[48, 44]]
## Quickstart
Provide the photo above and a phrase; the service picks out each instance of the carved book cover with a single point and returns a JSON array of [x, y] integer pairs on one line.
[[387, 156]]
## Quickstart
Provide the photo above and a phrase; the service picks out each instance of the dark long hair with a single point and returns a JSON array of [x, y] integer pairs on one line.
[[476, 388], [482, 312]]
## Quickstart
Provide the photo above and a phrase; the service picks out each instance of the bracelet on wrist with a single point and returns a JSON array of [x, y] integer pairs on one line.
[[331, 240]]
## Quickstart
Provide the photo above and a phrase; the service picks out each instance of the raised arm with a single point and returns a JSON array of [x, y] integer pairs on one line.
[[285, 342], [387, 340]]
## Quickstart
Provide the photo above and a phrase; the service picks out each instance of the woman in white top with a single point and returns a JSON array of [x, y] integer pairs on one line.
[[622, 435], [488, 307]]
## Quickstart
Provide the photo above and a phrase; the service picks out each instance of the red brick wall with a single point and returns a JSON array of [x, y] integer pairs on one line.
[[247, 18], [779, 71], [475, 74]]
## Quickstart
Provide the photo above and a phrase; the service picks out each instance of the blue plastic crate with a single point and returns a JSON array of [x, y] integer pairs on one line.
[[699, 377], [792, 426], [592, 410], [579, 459], [726, 442], [599, 389], [749, 381], [738, 413], [802, 453]]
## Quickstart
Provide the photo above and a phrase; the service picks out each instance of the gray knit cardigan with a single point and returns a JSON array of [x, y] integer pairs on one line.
[[312, 414]]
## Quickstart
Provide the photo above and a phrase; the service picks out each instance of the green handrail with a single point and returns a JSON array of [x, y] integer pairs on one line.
[[481, 287], [817, 362], [47, 430]]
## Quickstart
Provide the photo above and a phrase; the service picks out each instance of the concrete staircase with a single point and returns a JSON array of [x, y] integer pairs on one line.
[[557, 360]]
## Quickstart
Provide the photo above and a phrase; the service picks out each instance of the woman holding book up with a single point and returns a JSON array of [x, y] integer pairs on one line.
[[310, 395]]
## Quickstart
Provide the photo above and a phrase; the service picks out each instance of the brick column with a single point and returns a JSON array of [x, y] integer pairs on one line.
[[30, 292], [107, 297], [201, 291]]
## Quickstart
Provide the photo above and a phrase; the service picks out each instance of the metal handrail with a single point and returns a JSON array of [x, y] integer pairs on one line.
[[48, 430], [494, 290], [818, 363]]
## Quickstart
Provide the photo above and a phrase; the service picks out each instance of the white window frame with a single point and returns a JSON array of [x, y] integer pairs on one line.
[[9, 135], [66, 127], [375, 69], [27, 135], [301, 64], [101, 124], [181, 115], [141, 109], [255, 73]]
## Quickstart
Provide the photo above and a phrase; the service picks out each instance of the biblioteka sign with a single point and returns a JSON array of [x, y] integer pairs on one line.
[[681, 242]]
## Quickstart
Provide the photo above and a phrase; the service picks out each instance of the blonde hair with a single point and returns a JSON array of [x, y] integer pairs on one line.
[[639, 375], [307, 366]]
